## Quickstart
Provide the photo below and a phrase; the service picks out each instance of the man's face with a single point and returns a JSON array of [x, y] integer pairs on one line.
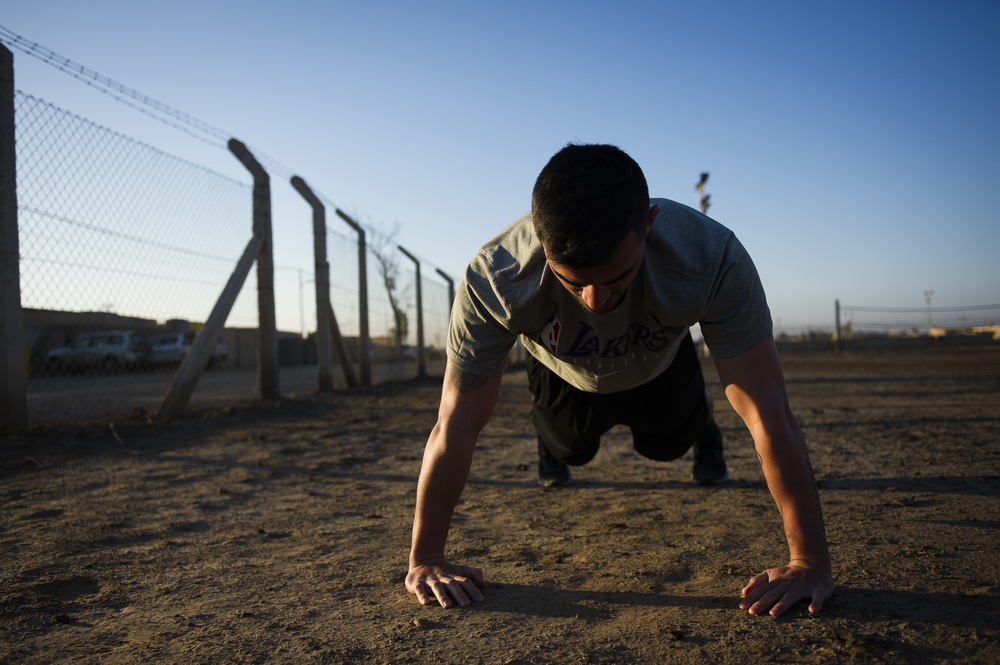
[[602, 288]]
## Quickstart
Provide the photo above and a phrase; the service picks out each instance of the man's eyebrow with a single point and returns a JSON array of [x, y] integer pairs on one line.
[[607, 283]]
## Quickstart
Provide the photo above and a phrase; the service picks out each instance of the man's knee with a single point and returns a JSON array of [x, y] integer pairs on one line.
[[665, 446], [662, 450], [580, 458], [576, 452]]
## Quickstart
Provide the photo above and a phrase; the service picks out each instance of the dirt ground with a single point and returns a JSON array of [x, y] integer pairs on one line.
[[279, 532]]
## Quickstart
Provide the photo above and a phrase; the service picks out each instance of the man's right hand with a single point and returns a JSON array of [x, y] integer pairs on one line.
[[448, 582]]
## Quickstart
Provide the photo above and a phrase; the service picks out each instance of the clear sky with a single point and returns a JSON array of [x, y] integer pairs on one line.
[[854, 147]]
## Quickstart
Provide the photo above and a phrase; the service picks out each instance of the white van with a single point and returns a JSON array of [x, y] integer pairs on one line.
[[109, 351]]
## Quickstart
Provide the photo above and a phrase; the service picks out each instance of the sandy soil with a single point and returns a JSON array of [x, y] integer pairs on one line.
[[279, 532]]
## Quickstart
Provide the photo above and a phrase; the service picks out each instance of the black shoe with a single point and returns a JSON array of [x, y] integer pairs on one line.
[[551, 472], [709, 464]]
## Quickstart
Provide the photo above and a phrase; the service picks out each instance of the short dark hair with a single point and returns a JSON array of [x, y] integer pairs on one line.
[[585, 201]]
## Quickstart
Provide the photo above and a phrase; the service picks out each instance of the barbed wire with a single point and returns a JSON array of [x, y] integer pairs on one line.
[[271, 164], [159, 111], [123, 137], [117, 91], [369, 229]]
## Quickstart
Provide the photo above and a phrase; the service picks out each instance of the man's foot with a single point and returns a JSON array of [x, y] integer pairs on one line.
[[551, 472], [709, 464]]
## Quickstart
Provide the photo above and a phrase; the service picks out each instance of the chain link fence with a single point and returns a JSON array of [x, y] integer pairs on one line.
[[124, 250], [117, 235]]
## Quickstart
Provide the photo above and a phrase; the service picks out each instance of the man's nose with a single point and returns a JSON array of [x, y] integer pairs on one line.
[[595, 297]]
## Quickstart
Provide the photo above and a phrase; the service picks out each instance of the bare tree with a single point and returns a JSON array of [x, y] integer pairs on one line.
[[383, 247]]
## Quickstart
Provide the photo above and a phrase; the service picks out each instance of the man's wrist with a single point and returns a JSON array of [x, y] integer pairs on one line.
[[417, 560], [822, 563]]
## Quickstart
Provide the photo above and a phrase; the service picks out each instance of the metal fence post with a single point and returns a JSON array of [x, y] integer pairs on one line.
[[421, 353], [364, 339], [268, 377], [13, 386]]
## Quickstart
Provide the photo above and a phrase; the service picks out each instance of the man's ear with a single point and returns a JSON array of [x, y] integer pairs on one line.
[[653, 212]]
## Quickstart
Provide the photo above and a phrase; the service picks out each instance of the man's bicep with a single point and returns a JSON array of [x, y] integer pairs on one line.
[[467, 397], [753, 381], [465, 381]]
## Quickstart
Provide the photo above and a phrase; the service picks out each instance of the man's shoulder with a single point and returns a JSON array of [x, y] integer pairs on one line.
[[515, 240], [686, 240], [505, 282], [679, 217], [513, 255]]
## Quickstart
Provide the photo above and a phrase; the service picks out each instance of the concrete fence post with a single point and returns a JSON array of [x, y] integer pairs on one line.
[[837, 331], [268, 378], [451, 288], [183, 384], [327, 331], [364, 337], [324, 359], [13, 381], [421, 353]]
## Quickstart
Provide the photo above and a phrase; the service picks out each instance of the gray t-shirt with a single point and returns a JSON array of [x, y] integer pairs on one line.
[[694, 271]]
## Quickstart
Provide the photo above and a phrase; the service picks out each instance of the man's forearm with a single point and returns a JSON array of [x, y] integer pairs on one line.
[[467, 402], [790, 478], [442, 478]]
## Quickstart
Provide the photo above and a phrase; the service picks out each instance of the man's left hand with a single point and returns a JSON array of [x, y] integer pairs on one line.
[[777, 589]]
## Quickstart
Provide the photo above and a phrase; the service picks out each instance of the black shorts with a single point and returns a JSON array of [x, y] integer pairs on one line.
[[665, 414]]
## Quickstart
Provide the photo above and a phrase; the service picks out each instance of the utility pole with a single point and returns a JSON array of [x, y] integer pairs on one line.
[[927, 296], [702, 196]]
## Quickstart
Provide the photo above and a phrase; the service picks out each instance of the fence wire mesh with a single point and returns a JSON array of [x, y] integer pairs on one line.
[[382, 320], [935, 321], [118, 229], [124, 250]]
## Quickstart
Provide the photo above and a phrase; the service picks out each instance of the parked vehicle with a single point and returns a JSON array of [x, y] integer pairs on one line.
[[219, 354], [168, 349], [109, 351], [172, 348]]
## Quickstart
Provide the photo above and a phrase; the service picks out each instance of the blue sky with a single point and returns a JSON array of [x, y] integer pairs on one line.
[[854, 147]]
